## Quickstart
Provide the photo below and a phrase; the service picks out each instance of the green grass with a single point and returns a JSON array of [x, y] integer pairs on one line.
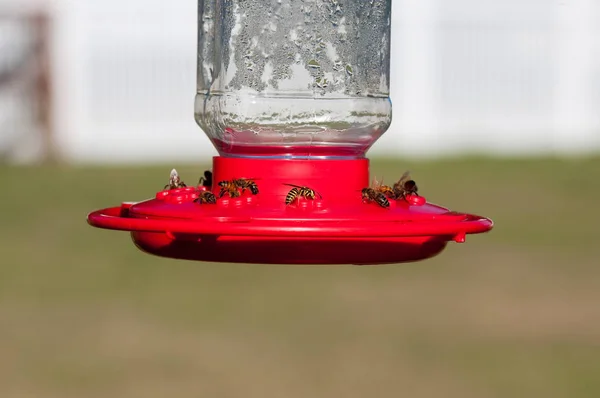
[[512, 313]]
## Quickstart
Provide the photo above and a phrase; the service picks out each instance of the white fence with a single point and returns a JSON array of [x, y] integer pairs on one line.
[[476, 76]]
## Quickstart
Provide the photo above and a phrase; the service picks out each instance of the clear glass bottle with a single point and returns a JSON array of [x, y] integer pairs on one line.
[[294, 78]]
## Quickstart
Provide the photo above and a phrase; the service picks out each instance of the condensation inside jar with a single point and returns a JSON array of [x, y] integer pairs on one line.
[[294, 78]]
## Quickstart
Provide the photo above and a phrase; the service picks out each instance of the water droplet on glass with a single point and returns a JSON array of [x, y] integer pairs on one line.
[[349, 70], [313, 64], [322, 83]]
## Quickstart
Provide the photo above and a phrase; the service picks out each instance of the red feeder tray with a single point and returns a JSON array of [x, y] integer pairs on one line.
[[337, 227]]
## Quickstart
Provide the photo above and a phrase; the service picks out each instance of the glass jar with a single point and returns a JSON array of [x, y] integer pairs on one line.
[[294, 78]]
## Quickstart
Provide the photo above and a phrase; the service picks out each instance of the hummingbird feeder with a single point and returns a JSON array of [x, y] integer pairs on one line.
[[292, 94]]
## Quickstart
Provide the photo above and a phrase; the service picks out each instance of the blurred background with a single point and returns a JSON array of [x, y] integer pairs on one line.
[[495, 113]]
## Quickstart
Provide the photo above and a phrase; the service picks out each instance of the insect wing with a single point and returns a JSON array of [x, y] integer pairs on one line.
[[404, 177]]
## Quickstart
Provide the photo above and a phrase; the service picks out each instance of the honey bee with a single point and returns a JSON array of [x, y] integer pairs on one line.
[[385, 189], [405, 186], [246, 183], [206, 180], [174, 181], [229, 187], [298, 191], [206, 197], [371, 195]]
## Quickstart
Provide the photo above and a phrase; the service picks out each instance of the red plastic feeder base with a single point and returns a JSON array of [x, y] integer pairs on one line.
[[336, 227]]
